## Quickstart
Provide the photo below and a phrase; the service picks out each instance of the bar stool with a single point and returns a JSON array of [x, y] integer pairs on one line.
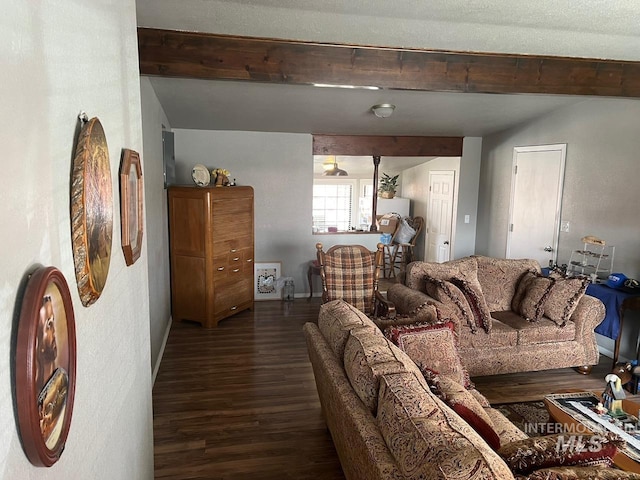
[[402, 253]]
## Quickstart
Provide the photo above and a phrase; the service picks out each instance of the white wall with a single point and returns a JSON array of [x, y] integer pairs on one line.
[[416, 187], [600, 189], [60, 58], [279, 166], [157, 233], [601, 194], [465, 240], [467, 172]]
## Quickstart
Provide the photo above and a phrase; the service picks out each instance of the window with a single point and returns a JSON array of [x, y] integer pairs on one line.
[[365, 204], [333, 205]]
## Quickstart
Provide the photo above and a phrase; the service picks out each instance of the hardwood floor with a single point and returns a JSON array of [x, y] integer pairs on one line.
[[240, 402]]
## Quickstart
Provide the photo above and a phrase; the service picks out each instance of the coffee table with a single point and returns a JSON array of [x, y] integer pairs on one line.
[[574, 421]]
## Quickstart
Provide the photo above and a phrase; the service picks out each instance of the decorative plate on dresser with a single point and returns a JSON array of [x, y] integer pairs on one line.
[[201, 176]]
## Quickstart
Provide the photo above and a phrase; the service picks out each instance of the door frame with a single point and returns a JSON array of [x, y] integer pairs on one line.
[[562, 147]]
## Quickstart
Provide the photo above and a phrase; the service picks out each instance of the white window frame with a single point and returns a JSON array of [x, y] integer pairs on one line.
[[354, 195]]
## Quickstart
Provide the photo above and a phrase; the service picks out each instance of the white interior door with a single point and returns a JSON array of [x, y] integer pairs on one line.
[[536, 199], [440, 215]]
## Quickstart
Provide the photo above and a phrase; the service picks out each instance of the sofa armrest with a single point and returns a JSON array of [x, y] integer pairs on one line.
[[587, 315], [420, 307], [407, 300]]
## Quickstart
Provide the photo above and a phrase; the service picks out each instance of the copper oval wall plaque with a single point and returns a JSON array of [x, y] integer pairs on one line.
[[45, 363], [91, 211]]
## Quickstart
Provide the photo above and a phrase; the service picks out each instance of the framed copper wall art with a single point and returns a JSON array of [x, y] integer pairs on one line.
[[131, 205], [91, 211], [45, 363]]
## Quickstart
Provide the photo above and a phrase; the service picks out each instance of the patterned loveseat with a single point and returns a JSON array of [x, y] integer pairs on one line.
[[509, 317], [388, 422]]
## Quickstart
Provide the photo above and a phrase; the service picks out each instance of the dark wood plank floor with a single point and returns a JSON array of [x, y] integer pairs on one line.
[[239, 401]]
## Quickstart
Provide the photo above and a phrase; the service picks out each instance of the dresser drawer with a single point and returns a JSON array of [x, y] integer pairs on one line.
[[227, 266], [229, 231], [228, 296], [236, 207], [233, 244]]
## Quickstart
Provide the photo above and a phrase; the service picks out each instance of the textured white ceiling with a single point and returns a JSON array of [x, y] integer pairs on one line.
[[586, 28], [578, 28], [207, 105]]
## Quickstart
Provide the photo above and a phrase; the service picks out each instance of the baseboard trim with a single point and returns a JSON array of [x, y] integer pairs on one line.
[[156, 367], [608, 353]]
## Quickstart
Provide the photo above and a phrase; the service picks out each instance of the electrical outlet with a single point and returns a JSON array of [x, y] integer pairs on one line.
[[564, 226], [467, 218]]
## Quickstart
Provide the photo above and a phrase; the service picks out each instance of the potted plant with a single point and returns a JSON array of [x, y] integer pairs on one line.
[[388, 185]]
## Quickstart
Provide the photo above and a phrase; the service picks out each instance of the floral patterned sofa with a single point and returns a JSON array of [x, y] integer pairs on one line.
[[509, 317], [391, 417]]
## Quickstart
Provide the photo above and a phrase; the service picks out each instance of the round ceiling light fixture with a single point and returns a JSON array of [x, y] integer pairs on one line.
[[383, 110]]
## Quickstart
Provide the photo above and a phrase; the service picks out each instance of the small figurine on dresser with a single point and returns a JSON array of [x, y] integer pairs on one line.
[[221, 177]]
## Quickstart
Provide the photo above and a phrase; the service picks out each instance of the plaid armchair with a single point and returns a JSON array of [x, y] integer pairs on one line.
[[350, 273]]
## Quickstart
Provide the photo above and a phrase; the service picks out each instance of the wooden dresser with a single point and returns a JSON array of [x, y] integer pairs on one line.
[[211, 244]]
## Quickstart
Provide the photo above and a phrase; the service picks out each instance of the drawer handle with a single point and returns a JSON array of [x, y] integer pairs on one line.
[[250, 260], [235, 307], [220, 269], [234, 250], [235, 259], [236, 270]]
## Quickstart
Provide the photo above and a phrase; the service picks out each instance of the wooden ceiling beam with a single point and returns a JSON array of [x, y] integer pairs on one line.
[[222, 57], [387, 146]]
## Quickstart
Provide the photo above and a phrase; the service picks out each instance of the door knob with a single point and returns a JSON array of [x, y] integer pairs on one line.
[[548, 249]]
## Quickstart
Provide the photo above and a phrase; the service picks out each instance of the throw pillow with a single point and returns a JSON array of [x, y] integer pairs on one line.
[[532, 291], [464, 403], [581, 473], [448, 294], [564, 297], [521, 289], [432, 348], [555, 450], [475, 298]]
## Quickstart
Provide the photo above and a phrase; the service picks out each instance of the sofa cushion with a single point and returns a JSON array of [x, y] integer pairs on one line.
[[336, 319], [499, 277], [448, 294], [367, 356], [542, 331], [564, 297], [556, 450], [531, 295], [427, 439], [464, 270], [581, 473], [501, 335], [432, 348], [464, 403]]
